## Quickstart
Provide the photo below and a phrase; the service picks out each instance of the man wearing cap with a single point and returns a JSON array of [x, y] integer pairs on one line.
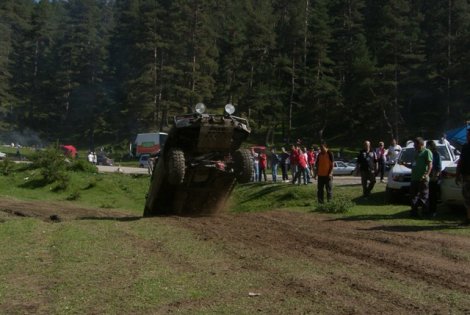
[[463, 175]]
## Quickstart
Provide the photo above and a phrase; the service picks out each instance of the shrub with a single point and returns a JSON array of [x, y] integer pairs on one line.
[[52, 165], [73, 196], [336, 205], [6, 166], [91, 184], [61, 180], [82, 166]]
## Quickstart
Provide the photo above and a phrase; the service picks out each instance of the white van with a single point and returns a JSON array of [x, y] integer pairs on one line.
[[399, 177], [148, 143]]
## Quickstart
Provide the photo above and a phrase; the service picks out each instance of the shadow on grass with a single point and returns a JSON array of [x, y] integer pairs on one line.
[[379, 198], [414, 228], [34, 183], [267, 189], [120, 219]]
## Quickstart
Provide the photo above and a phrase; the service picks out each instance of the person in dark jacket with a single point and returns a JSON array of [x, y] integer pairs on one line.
[[367, 163], [463, 175]]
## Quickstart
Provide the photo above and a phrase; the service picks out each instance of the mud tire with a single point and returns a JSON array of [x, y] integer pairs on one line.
[[176, 166], [242, 165]]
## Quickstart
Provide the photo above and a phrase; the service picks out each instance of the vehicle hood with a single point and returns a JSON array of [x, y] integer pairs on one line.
[[401, 169]]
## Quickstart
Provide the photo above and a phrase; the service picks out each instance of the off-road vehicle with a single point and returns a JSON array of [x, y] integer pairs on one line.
[[200, 163]]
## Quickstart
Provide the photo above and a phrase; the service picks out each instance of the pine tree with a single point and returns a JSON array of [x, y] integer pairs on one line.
[[14, 26], [322, 90], [354, 68], [79, 77]]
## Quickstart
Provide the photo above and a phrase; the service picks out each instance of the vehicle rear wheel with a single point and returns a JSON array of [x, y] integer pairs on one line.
[[176, 166], [243, 165]]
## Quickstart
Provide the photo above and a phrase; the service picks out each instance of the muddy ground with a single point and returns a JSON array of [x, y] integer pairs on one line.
[[365, 255]]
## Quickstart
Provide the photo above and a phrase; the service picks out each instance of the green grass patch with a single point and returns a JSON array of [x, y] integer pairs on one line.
[[88, 188], [347, 204]]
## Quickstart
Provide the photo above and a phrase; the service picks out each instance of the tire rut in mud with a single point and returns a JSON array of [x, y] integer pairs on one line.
[[438, 260]]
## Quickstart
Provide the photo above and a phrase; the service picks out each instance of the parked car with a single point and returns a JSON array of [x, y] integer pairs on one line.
[[342, 168], [451, 193], [104, 160], [144, 160], [399, 176], [2, 155]]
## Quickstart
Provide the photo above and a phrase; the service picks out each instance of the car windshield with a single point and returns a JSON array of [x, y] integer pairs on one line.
[[408, 155]]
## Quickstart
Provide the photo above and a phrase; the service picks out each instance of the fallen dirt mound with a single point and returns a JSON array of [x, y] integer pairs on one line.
[[55, 211]]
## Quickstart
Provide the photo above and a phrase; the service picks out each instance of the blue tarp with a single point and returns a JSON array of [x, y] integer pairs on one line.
[[458, 135]]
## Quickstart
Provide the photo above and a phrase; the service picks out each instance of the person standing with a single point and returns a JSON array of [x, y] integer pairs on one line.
[[275, 160], [255, 157], [301, 167], [367, 162], [420, 171], [434, 186], [393, 151], [324, 172], [380, 153], [294, 161], [311, 161], [463, 175], [284, 165], [263, 164]]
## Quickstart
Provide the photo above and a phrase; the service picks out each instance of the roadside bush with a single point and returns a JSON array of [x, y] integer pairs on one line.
[[336, 205], [51, 164], [73, 196], [62, 180], [82, 166], [6, 166], [91, 184]]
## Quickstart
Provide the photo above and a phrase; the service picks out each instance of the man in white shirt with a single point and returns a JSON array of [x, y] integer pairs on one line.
[[393, 151]]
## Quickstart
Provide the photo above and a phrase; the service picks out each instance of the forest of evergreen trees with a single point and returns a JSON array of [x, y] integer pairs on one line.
[[99, 71]]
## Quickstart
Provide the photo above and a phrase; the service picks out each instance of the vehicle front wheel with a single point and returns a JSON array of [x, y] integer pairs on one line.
[[243, 165], [176, 166]]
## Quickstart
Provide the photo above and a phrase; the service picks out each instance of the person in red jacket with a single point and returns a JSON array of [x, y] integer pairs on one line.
[[301, 167], [294, 161], [263, 164]]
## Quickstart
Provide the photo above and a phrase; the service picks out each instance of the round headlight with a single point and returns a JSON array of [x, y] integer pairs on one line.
[[200, 108], [229, 109]]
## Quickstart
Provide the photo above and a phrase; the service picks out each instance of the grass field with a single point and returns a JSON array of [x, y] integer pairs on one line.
[[156, 266]]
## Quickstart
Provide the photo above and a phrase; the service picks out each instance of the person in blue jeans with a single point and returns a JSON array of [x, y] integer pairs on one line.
[[275, 160], [255, 157]]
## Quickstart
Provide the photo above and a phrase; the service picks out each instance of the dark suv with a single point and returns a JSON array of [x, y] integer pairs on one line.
[[200, 163]]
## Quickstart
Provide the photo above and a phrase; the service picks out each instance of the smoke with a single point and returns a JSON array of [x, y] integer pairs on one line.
[[24, 138]]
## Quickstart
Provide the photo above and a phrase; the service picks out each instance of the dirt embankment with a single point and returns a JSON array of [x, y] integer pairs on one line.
[[368, 259]]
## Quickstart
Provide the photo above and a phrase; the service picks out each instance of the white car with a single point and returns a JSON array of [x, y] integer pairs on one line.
[[2, 155], [399, 177], [342, 168], [451, 193]]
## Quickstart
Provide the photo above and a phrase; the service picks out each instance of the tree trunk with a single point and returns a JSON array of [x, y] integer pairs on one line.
[[291, 99]]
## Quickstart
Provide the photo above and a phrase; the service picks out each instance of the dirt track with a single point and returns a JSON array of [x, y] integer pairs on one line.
[[357, 263]]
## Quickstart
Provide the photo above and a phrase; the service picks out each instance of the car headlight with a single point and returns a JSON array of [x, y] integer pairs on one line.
[[200, 108], [229, 109]]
